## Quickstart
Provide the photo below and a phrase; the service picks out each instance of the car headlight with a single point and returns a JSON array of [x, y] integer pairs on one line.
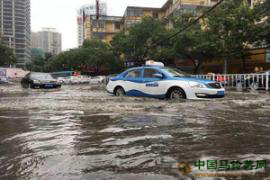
[[193, 84], [36, 81]]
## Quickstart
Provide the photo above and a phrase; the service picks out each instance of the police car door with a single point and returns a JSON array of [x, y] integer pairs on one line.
[[152, 84], [133, 82]]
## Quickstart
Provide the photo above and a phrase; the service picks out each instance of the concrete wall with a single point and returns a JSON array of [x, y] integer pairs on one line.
[[14, 72]]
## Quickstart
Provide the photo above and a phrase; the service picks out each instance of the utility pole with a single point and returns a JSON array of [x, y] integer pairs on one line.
[[97, 9]]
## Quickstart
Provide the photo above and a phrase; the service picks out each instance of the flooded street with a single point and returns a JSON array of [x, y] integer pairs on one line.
[[81, 132]]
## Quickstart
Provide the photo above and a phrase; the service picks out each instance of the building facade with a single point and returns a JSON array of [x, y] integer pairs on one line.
[[134, 15], [15, 28], [48, 40], [171, 8], [105, 27], [85, 12]]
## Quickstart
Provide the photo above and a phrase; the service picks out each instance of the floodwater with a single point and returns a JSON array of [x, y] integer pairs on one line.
[[81, 132]]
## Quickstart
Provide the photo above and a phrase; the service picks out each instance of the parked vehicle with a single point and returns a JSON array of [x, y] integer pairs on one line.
[[107, 78], [36, 80], [253, 81], [4, 80], [155, 80], [97, 80]]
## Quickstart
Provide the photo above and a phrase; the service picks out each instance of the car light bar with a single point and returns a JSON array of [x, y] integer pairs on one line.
[[154, 63]]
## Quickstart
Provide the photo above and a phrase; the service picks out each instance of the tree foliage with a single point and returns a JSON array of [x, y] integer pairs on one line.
[[225, 33], [197, 44], [94, 54], [6, 55], [262, 11], [234, 22], [39, 61], [140, 42]]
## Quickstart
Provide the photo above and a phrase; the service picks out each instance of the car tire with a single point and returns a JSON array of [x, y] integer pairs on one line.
[[254, 86], [239, 85], [177, 94], [119, 91]]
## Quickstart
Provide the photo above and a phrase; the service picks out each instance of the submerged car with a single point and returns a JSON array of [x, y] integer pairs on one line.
[[155, 80], [97, 80], [4, 80], [37, 80]]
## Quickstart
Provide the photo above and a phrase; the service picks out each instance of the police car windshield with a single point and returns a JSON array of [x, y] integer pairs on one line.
[[175, 72]]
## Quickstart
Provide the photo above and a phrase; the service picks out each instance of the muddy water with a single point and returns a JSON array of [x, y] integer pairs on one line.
[[80, 132]]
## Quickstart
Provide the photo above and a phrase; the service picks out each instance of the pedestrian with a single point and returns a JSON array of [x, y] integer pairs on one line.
[[256, 69]]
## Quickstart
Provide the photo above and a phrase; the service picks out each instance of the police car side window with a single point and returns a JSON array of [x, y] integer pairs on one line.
[[134, 74], [149, 73]]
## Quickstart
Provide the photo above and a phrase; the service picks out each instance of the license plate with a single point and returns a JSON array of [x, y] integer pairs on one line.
[[220, 93], [49, 85]]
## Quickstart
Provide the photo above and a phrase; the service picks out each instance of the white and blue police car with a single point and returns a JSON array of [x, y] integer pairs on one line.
[[156, 81]]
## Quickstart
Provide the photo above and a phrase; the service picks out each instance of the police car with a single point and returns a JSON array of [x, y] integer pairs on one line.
[[156, 81]]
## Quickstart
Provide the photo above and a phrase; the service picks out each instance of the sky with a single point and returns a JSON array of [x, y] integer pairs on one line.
[[62, 15]]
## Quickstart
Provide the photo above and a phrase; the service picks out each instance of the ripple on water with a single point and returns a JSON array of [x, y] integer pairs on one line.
[[74, 135]]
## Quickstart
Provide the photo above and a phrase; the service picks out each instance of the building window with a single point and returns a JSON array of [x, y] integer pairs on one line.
[[155, 14], [135, 12], [117, 25], [98, 24], [98, 35]]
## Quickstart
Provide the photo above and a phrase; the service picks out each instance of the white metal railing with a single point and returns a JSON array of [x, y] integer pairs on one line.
[[253, 81]]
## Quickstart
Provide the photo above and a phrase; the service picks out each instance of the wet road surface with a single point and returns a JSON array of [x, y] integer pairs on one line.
[[81, 132]]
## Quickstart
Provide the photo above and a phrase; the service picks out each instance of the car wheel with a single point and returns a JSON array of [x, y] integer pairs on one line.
[[239, 85], [119, 91], [177, 94], [254, 86]]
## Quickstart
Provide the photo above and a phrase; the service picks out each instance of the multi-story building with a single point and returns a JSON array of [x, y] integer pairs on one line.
[[134, 15], [48, 40], [104, 28], [171, 8], [85, 12], [15, 29]]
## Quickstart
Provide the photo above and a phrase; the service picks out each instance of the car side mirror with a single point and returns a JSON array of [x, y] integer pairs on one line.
[[158, 75]]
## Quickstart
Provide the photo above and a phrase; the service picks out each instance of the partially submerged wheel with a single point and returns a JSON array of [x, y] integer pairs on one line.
[[239, 84], [254, 86], [177, 94], [119, 91]]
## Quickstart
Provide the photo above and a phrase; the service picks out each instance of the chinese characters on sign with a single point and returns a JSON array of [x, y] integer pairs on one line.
[[234, 165]]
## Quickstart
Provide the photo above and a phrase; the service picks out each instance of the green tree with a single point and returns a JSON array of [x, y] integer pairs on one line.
[[262, 11], [94, 54], [196, 44], [39, 61], [142, 41], [235, 24], [6, 55]]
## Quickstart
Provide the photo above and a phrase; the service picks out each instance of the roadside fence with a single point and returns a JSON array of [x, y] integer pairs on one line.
[[260, 81]]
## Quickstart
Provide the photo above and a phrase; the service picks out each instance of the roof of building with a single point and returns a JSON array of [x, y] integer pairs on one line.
[[141, 7], [108, 18], [167, 3]]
